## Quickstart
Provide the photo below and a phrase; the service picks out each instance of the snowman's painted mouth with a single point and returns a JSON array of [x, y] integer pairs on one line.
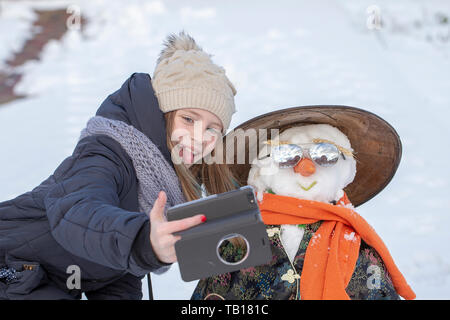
[[309, 187]]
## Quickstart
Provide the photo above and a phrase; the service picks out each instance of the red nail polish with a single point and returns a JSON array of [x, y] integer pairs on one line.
[[203, 218]]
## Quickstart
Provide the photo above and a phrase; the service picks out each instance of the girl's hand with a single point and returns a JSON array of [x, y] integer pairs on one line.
[[161, 230]]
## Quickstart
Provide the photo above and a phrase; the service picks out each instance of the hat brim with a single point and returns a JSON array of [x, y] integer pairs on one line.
[[376, 144]]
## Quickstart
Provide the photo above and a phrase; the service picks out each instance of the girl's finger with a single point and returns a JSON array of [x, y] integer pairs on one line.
[[168, 241], [157, 212], [183, 224]]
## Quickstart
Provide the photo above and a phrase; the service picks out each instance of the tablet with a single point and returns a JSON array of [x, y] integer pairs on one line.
[[233, 237]]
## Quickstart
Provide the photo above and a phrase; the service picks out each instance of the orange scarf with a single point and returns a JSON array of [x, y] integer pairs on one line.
[[332, 252]]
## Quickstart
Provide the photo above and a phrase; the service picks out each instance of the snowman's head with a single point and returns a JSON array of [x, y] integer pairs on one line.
[[310, 178]]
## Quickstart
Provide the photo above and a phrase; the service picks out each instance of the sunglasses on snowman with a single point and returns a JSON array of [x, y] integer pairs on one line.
[[323, 152]]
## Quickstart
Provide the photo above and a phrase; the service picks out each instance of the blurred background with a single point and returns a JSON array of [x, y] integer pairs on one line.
[[60, 59]]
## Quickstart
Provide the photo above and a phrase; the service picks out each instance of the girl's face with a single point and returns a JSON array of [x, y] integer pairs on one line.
[[195, 134]]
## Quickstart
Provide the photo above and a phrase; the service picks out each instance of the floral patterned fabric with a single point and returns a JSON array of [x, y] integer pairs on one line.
[[280, 279]]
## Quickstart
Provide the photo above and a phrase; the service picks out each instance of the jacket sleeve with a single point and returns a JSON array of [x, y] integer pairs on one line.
[[83, 213], [128, 287]]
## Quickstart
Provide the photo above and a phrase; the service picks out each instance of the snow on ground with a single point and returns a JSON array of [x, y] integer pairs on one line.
[[278, 54]]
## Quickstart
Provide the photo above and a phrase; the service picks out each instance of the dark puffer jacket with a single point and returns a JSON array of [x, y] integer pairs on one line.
[[86, 214]]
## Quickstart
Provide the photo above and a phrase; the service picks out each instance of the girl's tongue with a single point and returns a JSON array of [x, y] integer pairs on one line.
[[188, 157]]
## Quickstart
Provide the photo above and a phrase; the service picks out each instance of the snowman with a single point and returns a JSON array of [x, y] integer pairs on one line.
[[313, 162], [308, 179]]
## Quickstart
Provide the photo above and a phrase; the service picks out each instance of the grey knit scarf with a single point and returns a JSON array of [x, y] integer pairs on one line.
[[154, 173]]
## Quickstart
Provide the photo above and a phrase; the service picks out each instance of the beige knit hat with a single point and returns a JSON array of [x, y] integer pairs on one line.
[[186, 77]]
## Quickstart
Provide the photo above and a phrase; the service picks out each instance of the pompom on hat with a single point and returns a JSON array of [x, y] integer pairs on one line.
[[186, 77]]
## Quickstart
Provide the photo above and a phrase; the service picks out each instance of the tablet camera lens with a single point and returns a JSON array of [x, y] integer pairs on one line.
[[250, 197]]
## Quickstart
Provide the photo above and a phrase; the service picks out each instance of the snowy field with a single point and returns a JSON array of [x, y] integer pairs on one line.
[[278, 54]]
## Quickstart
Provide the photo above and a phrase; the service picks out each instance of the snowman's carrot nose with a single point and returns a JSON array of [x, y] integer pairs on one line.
[[305, 167]]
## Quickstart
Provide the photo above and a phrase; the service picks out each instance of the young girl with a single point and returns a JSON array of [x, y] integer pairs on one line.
[[97, 225]]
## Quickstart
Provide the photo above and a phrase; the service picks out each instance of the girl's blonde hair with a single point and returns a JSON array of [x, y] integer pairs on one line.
[[217, 178]]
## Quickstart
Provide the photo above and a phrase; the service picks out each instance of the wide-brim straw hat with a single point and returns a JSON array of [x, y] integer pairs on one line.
[[376, 144]]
